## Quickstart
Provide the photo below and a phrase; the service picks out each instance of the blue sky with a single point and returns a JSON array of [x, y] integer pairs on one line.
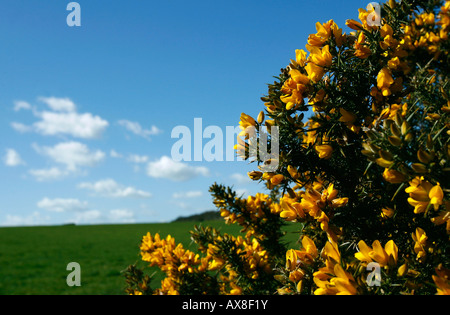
[[86, 113]]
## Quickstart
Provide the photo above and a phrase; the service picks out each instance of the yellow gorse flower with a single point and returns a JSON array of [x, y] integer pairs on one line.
[[324, 33], [394, 177], [387, 33], [291, 210], [420, 239], [325, 151], [300, 57], [314, 203], [387, 256], [361, 50], [315, 72], [245, 123], [333, 279], [294, 88], [422, 195], [443, 217], [384, 81], [320, 57], [442, 281]]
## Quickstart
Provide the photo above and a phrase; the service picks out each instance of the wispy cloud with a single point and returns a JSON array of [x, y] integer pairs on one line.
[[62, 205], [34, 218], [21, 105], [48, 174], [240, 178], [115, 154], [187, 194], [110, 188], [135, 158], [59, 104], [138, 130]]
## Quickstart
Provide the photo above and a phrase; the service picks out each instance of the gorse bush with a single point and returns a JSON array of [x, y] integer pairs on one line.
[[363, 171]]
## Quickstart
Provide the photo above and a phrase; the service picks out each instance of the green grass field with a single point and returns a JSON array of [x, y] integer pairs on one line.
[[33, 260]]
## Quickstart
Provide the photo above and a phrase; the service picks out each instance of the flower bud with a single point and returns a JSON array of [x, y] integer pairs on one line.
[[395, 130], [384, 163], [398, 118], [424, 157], [395, 141], [371, 134], [255, 175], [419, 168], [277, 179], [409, 137], [429, 142], [402, 270], [292, 171], [393, 176], [260, 117], [405, 128], [386, 155]]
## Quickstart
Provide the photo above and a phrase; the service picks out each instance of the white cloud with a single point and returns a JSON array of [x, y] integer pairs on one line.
[[134, 158], [62, 205], [84, 126], [96, 216], [34, 218], [242, 192], [62, 119], [19, 105], [12, 158], [115, 154], [110, 188], [21, 127], [48, 174], [59, 104], [86, 217], [121, 216], [187, 194], [71, 154], [167, 168], [138, 130], [240, 178]]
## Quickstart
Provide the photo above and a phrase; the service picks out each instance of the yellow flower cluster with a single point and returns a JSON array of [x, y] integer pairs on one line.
[[441, 280], [423, 196], [333, 279], [298, 259], [172, 259], [307, 70], [253, 257], [316, 202], [252, 212], [175, 261]]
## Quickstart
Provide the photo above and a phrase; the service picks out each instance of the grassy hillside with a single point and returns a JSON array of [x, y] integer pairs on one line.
[[205, 216], [33, 260]]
